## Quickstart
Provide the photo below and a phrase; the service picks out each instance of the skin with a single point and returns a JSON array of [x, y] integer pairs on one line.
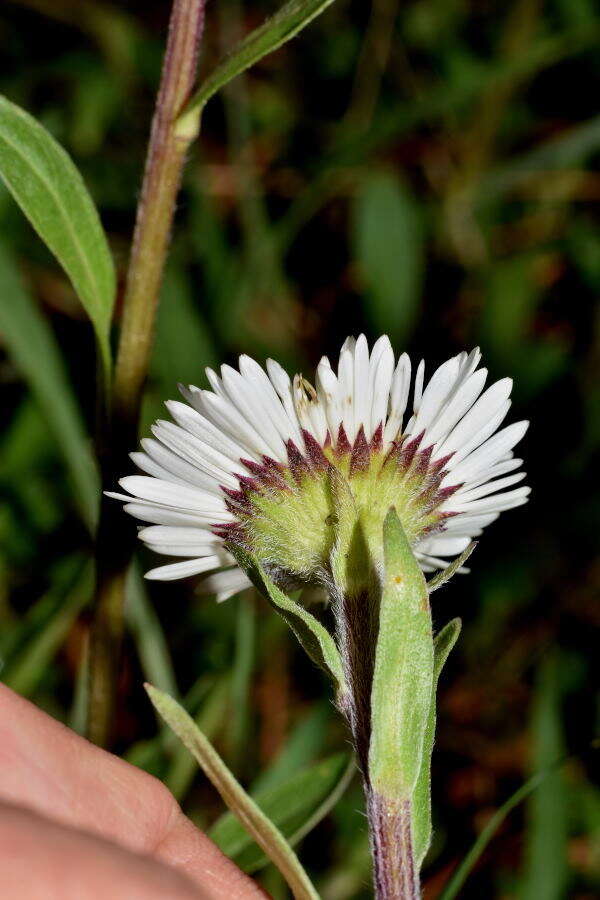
[[77, 823]]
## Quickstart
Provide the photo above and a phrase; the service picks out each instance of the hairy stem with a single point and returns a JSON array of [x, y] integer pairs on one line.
[[162, 177], [390, 823]]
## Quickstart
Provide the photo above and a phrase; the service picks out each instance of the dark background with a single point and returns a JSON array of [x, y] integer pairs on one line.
[[427, 169]]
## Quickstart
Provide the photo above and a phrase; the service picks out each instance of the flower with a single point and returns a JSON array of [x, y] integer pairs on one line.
[[251, 461]]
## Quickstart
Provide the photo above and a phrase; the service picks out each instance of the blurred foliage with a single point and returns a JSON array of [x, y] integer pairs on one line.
[[429, 169]]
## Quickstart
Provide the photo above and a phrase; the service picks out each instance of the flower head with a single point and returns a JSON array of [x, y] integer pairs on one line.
[[252, 462]]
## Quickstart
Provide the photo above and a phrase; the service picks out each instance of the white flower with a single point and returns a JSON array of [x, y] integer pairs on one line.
[[248, 461]]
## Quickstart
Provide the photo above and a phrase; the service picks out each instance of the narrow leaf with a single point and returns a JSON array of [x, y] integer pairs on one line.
[[313, 636], [442, 645], [276, 31], [32, 345], [446, 574], [50, 191], [389, 248], [291, 806], [403, 674], [469, 862], [547, 868], [264, 832]]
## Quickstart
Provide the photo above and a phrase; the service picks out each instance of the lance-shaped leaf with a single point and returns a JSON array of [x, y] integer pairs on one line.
[[32, 345], [403, 673], [285, 24], [265, 833], [313, 636], [50, 191], [443, 644], [296, 807], [446, 574]]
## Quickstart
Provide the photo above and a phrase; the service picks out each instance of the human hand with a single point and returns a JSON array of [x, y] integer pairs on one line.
[[77, 823]]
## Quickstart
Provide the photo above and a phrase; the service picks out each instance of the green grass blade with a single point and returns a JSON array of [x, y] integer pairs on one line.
[[389, 252], [50, 191], [25, 673], [264, 832], [546, 867], [296, 806], [276, 31], [148, 635], [33, 347]]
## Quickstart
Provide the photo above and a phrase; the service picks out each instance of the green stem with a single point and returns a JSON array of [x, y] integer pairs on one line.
[[162, 177]]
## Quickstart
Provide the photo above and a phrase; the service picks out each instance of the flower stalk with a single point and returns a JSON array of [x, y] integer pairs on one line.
[[165, 160], [385, 638]]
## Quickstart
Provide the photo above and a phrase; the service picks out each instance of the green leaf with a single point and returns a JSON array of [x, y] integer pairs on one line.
[[446, 574], [460, 875], [276, 31], [33, 347], [50, 191], [443, 643], [30, 666], [313, 636], [295, 806], [546, 867], [264, 832], [301, 748], [148, 634], [388, 248], [403, 675]]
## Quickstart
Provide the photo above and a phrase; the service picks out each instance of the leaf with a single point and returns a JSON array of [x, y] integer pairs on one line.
[[295, 806], [388, 248], [264, 832], [546, 868], [443, 643], [50, 191], [276, 31], [301, 748], [403, 675], [457, 881], [147, 633], [313, 636], [446, 574], [33, 347], [30, 667]]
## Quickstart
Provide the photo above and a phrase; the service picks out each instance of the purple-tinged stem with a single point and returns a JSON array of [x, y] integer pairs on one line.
[[395, 874], [165, 160]]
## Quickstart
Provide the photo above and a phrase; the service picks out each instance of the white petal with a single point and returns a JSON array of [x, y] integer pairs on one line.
[[475, 421], [161, 515], [252, 402], [489, 487], [224, 415], [200, 455], [495, 503], [150, 467], [329, 394], [398, 398], [180, 470], [487, 454], [455, 408], [191, 420], [286, 425], [164, 534], [436, 393], [362, 386], [224, 584], [443, 545], [183, 569], [346, 391], [181, 497], [382, 371]]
